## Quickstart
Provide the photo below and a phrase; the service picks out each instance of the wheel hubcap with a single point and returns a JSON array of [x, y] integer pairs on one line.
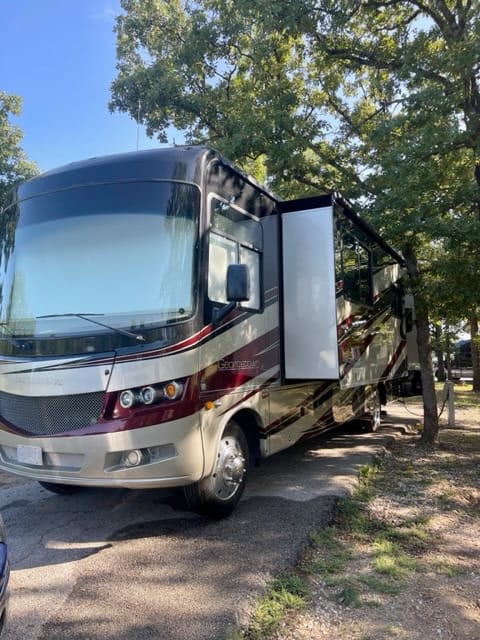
[[230, 469]]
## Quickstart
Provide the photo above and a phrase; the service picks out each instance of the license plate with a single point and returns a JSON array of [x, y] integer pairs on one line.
[[28, 454]]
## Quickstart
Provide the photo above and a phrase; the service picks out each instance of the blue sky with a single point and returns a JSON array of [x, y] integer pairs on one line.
[[59, 57]]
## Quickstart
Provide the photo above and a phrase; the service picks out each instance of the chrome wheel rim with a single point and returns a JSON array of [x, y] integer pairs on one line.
[[230, 468]]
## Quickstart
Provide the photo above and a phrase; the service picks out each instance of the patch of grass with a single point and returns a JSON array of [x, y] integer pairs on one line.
[[446, 568], [369, 472], [290, 583], [379, 585], [412, 535], [350, 596], [353, 517], [327, 566], [266, 619], [327, 538], [329, 555], [391, 560], [394, 630], [285, 593], [466, 397], [347, 590], [417, 522]]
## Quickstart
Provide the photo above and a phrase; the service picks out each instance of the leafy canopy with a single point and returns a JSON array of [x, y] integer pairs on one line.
[[378, 99], [312, 96], [14, 165]]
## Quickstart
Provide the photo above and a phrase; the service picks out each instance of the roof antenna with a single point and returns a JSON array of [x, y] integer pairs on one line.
[[138, 124]]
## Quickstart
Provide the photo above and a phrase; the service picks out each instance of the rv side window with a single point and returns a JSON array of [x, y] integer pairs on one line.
[[235, 238], [233, 222], [356, 271]]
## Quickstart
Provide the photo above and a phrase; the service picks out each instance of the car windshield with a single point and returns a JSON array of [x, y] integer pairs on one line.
[[121, 253]]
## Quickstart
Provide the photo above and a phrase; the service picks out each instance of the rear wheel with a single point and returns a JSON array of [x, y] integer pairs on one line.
[[218, 495], [61, 489]]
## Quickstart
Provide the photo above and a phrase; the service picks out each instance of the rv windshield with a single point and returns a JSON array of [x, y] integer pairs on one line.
[[122, 253]]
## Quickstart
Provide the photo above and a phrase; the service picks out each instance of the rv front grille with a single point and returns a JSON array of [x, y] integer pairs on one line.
[[51, 415]]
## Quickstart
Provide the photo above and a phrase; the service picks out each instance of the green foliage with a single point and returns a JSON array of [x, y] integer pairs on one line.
[[391, 560], [349, 596], [446, 568], [333, 553], [379, 99], [379, 585], [285, 593], [14, 165], [238, 76], [466, 397]]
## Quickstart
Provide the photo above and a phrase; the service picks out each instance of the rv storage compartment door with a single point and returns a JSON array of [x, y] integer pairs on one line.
[[310, 323]]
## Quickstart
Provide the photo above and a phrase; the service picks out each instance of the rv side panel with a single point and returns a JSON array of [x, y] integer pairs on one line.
[[310, 326]]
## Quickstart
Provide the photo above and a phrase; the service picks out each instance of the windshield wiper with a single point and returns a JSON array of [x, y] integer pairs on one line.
[[86, 316]]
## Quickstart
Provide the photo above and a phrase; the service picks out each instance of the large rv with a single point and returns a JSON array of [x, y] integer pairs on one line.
[[165, 321]]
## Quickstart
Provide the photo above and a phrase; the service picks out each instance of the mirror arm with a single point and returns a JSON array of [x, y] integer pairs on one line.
[[219, 313]]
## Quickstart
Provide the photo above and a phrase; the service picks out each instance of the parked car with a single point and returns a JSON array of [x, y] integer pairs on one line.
[[4, 575]]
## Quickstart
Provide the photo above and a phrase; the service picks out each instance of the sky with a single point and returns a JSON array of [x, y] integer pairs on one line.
[[59, 57]]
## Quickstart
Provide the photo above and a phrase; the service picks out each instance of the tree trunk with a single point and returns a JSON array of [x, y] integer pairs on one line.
[[430, 415], [441, 375], [475, 346]]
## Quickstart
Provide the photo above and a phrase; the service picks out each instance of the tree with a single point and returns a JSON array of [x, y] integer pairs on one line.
[[379, 99], [14, 165], [432, 57]]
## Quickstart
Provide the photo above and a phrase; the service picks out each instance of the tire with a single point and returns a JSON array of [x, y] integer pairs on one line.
[[60, 489], [217, 496]]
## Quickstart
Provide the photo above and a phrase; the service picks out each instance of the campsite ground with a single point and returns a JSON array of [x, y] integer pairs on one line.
[[402, 558]]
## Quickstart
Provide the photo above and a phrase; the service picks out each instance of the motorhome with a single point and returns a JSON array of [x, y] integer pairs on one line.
[[165, 321]]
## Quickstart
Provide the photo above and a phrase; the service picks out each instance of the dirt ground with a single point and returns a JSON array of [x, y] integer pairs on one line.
[[438, 599]]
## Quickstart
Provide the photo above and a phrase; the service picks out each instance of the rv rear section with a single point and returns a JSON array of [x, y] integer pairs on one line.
[[165, 321]]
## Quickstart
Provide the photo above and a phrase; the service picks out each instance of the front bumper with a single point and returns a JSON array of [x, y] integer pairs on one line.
[[171, 454]]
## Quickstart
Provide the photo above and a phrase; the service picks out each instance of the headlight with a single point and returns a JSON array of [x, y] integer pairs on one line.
[[151, 394], [127, 399]]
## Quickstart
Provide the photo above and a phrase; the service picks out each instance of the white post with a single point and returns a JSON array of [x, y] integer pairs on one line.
[[449, 397]]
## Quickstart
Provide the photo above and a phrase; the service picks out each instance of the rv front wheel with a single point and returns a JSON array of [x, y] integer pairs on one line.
[[217, 495]]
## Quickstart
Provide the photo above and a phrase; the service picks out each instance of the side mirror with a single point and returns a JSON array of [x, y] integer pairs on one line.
[[238, 290], [238, 283]]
